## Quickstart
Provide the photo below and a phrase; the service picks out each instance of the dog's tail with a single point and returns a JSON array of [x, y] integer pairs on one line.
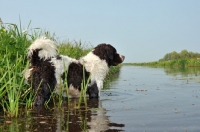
[[42, 48]]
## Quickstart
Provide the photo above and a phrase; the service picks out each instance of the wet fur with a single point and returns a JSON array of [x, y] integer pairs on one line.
[[48, 69], [43, 83]]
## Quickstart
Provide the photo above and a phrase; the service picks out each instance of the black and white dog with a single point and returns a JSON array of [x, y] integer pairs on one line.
[[49, 70]]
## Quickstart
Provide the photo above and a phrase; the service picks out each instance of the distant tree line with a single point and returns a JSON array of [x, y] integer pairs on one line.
[[174, 59], [184, 54]]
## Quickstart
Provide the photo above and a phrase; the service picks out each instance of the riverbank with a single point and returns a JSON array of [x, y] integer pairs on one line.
[[14, 41], [193, 62]]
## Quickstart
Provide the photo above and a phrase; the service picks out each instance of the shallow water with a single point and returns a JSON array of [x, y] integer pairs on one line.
[[138, 99], [155, 99]]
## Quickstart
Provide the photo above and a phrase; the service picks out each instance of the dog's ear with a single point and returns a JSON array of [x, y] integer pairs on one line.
[[109, 52]]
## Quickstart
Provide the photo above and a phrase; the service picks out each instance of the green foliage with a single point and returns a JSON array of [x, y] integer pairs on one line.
[[14, 92], [73, 49], [184, 54], [172, 63], [12, 84], [174, 59], [13, 40]]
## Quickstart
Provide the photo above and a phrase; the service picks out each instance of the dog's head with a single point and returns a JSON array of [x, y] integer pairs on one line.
[[109, 53]]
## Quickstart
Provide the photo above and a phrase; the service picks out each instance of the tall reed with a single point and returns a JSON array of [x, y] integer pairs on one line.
[[13, 46], [84, 86], [14, 41], [13, 84]]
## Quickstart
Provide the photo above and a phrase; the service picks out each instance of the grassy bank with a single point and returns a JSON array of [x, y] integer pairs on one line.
[[14, 92], [193, 62], [173, 59]]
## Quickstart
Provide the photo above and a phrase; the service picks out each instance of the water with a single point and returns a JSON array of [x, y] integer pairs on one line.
[[155, 99], [138, 99]]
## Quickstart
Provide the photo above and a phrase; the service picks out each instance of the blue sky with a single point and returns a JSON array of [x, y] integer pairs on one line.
[[142, 30]]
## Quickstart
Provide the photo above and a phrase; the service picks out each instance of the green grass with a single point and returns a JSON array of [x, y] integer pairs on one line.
[[84, 86], [15, 93], [74, 49], [13, 45], [192, 62], [12, 87]]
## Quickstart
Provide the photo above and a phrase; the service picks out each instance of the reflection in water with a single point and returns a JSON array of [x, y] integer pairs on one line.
[[183, 71], [67, 118], [169, 104], [108, 81]]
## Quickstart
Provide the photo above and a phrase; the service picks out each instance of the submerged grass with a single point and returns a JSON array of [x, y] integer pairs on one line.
[[14, 91], [84, 86]]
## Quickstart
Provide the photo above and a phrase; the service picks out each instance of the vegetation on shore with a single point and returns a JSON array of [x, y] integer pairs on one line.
[[174, 59], [14, 91]]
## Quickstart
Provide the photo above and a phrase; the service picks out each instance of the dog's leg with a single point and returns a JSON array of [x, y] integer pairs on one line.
[[93, 91], [43, 83], [42, 94], [100, 86]]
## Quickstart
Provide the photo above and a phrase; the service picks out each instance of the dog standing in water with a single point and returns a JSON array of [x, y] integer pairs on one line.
[[47, 69]]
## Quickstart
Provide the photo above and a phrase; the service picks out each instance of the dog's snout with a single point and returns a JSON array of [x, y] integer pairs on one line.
[[122, 57]]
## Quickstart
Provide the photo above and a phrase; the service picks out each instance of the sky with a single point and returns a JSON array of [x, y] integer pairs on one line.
[[142, 30]]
